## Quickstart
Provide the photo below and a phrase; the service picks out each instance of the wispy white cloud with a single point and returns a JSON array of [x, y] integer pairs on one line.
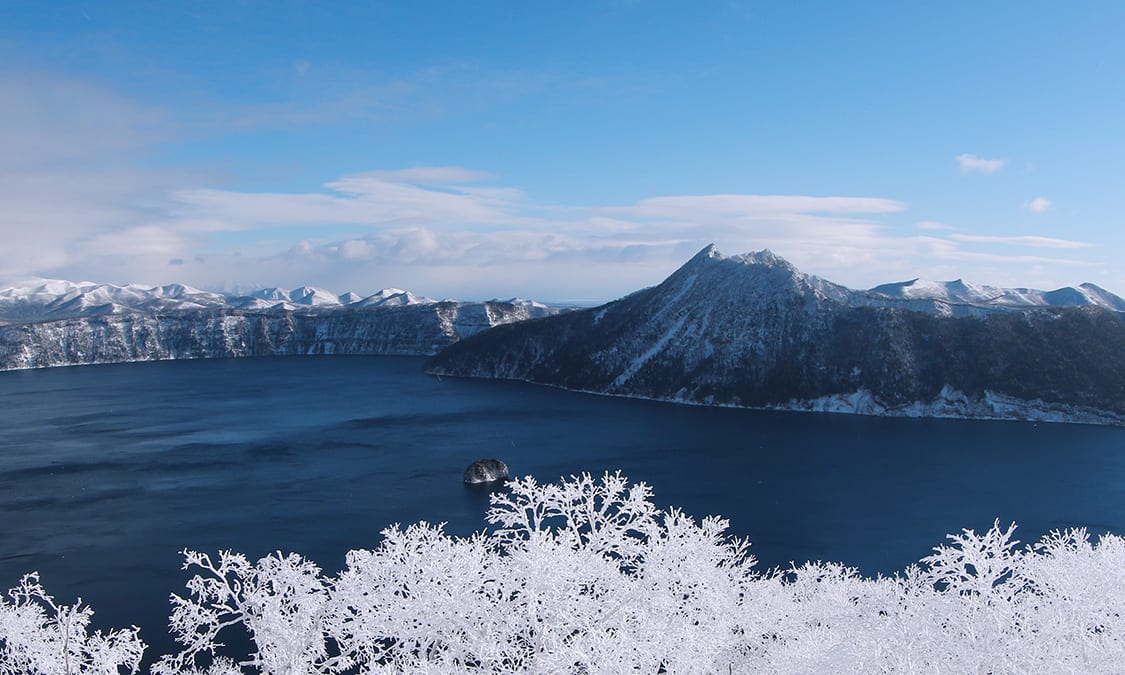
[[736, 205], [141, 241], [429, 175], [50, 119], [334, 94], [425, 246], [67, 172], [1023, 240], [970, 163], [1038, 205], [826, 234], [423, 196], [948, 249], [933, 225], [1014, 259]]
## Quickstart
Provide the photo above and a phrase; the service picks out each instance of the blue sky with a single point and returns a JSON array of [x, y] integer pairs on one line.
[[566, 151]]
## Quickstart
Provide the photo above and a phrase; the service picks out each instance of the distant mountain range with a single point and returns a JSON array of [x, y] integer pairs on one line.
[[51, 299], [959, 298], [753, 331]]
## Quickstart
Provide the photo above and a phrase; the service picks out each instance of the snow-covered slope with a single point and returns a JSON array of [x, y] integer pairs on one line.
[[58, 323], [41, 299], [752, 330], [406, 330]]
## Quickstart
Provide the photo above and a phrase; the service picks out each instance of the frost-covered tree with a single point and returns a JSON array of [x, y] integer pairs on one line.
[[37, 635], [588, 576], [977, 605], [280, 601], [580, 576]]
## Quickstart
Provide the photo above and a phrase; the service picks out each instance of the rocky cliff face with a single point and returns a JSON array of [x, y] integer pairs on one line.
[[410, 329], [753, 331]]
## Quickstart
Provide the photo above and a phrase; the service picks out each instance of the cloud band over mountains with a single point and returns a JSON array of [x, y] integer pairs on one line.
[[84, 199]]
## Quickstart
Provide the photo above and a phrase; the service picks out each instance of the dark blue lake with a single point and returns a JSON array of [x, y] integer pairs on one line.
[[107, 472]]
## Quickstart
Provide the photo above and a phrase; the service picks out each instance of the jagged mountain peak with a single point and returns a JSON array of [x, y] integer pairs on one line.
[[387, 292], [311, 295], [757, 276], [764, 257], [706, 256], [44, 286], [948, 291], [272, 293], [1100, 296], [517, 302], [709, 251], [710, 255], [177, 290], [392, 297]]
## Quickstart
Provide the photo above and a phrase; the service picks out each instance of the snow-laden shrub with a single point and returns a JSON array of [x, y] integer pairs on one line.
[[587, 576], [39, 636], [579, 576], [978, 605], [281, 601]]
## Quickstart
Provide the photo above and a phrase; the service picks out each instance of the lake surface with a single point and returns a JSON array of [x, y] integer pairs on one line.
[[107, 472]]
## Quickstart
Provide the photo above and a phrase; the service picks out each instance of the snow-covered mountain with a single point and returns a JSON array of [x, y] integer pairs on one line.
[[55, 323], [50, 299], [754, 331], [956, 297]]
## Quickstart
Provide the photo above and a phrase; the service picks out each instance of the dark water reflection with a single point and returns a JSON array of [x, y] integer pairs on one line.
[[108, 471]]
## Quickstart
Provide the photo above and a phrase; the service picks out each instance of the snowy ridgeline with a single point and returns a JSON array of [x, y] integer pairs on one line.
[[49, 322], [586, 576], [53, 299]]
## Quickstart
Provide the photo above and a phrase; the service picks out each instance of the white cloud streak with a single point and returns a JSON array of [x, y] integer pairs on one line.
[[1024, 240], [970, 163], [738, 206], [373, 199], [429, 175], [67, 178], [1038, 205], [933, 225]]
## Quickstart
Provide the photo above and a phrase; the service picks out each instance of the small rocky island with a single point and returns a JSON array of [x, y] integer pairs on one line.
[[486, 471]]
